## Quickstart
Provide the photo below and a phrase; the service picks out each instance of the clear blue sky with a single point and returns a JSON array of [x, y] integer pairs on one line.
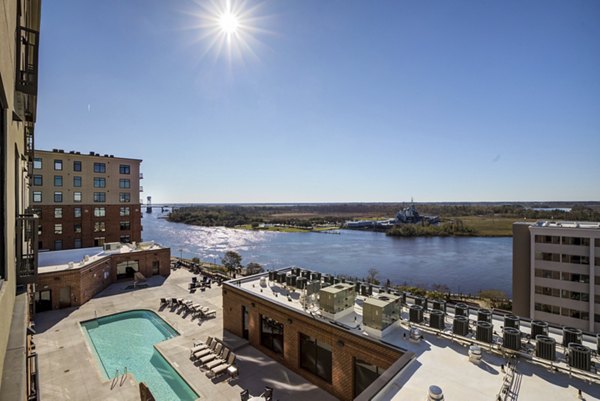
[[334, 100]]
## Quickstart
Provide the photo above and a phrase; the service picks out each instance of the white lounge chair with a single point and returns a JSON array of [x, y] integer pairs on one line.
[[222, 368]]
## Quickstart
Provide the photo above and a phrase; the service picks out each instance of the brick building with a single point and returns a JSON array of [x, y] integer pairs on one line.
[[327, 353], [85, 200], [72, 277]]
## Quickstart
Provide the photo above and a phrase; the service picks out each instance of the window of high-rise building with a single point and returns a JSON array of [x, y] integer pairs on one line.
[[37, 196], [125, 225], [99, 182], [365, 373], [77, 197], [124, 183], [58, 245], [125, 197], [77, 243], [124, 169], [76, 165], [58, 180], [99, 226], [99, 197], [124, 211], [37, 163], [77, 212], [125, 238], [77, 228], [58, 197], [271, 334], [58, 213], [58, 165], [99, 212], [77, 181], [315, 356], [38, 180], [58, 229], [99, 168]]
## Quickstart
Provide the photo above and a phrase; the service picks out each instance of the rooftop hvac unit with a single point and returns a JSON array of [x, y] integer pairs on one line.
[[336, 280], [301, 283], [484, 315], [435, 394], [281, 277], [272, 275], [512, 338], [337, 298], [363, 290], [484, 332], [357, 287], [404, 298], [460, 325], [580, 357], [436, 319], [290, 280], [370, 289], [461, 310], [438, 304], [538, 327], [305, 273], [511, 321], [381, 312], [296, 271], [545, 347], [421, 302], [315, 276], [571, 335], [415, 313]]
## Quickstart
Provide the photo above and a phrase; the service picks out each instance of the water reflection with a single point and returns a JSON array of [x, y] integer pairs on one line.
[[463, 264]]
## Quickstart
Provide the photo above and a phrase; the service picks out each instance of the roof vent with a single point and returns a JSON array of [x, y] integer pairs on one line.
[[105, 155], [77, 153], [55, 150], [384, 298], [111, 156], [92, 153], [72, 152]]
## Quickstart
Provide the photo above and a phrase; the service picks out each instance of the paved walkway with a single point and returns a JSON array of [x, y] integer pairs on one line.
[[69, 370]]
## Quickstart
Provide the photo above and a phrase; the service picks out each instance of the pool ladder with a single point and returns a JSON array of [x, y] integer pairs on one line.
[[120, 380]]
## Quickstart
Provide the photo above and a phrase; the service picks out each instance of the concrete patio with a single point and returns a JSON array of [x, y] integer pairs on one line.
[[70, 371]]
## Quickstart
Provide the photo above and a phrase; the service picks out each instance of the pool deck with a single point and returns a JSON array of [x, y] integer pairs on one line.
[[69, 370]]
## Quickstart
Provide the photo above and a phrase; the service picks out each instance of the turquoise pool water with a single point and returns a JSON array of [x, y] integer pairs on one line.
[[127, 340]]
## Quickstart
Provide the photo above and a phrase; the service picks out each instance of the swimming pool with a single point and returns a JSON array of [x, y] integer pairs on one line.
[[126, 340]]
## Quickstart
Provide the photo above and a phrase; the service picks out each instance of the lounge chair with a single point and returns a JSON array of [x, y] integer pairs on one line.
[[268, 393], [206, 351], [201, 345], [218, 360], [222, 368], [206, 312], [209, 357], [173, 301], [163, 301], [245, 395]]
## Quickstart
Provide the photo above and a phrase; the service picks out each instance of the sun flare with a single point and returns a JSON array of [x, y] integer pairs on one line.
[[229, 23]]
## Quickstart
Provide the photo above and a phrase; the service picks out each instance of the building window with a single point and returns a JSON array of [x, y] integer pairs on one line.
[[552, 292], [99, 182], [38, 181], [57, 245], [125, 238], [576, 241], [315, 356], [99, 196], [155, 267], [58, 213], [77, 181], [550, 257], [124, 197], [124, 211], [124, 169], [578, 278], [364, 374], [124, 183], [58, 228], [58, 165], [58, 197], [555, 310], [271, 334], [77, 212], [99, 227], [551, 274], [76, 196], [125, 225], [76, 165], [99, 212], [37, 196], [77, 243], [77, 228], [99, 168], [37, 163], [58, 180], [576, 259]]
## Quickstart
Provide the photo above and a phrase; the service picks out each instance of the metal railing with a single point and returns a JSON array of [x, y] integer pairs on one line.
[[27, 252]]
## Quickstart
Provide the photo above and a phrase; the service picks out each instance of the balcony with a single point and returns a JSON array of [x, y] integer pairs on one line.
[[27, 262], [27, 61], [141, 188], [141, 176]]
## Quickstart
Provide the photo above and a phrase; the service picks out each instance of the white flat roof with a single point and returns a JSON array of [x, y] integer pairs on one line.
[[567, 224], [53, 261], [443, 361]]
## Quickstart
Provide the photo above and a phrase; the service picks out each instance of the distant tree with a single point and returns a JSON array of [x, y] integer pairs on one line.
[[232, 261], [372, 274], [196, 260], [254, 268]]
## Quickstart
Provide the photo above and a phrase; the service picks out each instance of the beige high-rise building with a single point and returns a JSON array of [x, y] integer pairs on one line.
[[19, 39], [556, 273], [85, 200]]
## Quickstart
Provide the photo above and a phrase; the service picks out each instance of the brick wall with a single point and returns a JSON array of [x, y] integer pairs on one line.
[[86, 282], [345, 346], [112, 223]]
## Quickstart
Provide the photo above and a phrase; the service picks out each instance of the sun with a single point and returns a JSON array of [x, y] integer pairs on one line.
[[229, 23]]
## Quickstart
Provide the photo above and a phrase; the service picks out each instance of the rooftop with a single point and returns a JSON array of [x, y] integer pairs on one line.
[[72, 259], [568, 224], [442, 357]]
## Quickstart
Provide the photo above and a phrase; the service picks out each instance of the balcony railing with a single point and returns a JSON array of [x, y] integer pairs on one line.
[[141, 176], [141, 188], [27, 253], [27, 60]]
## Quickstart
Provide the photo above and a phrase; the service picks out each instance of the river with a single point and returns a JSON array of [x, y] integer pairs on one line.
[[464, 264]]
